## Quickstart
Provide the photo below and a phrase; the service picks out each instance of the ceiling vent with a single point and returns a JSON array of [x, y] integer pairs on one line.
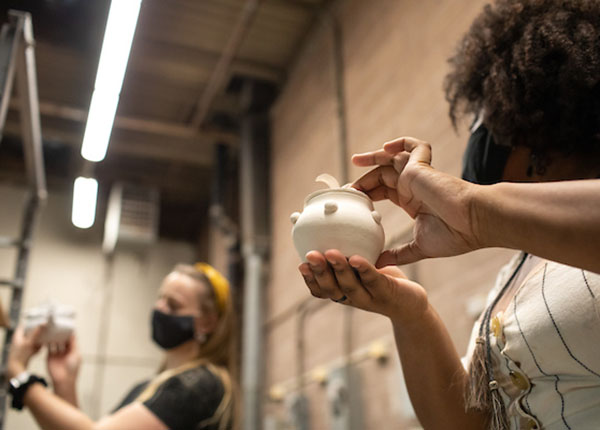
[[131, 217]]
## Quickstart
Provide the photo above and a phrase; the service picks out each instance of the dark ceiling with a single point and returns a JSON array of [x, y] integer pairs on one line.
[[179, 99]]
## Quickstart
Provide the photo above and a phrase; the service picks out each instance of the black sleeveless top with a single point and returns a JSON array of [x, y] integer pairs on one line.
[[193, 399]]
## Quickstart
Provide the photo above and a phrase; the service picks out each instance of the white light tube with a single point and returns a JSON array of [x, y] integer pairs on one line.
[[99, 125], [85, 191], [118, 37]]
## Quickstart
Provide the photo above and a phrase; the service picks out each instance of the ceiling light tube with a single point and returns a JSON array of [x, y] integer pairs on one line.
[[85, 192], [99, 125], [118, 37]]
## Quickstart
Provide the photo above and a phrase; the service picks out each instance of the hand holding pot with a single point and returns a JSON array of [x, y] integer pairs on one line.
[[358, 283], [439, 203], [23, 346], [63, 362]]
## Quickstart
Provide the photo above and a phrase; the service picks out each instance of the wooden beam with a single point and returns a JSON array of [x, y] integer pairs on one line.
[[222, 71], [190, 151], [149, 54], [303, 5], [140, 125]]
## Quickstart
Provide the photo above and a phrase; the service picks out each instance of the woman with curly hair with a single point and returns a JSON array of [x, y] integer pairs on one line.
[[528, 73]]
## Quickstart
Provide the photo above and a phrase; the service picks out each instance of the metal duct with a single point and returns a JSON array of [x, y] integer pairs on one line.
[[131, 217]]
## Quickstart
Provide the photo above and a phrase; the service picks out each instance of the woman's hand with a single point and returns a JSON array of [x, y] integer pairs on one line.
[[63, 363], [439, 203], [385, 291], [22, 348]]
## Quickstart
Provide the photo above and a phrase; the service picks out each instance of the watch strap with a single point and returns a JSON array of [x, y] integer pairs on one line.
[[18, 391]]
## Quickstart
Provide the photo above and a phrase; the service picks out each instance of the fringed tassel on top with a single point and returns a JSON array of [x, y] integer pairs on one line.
[[477, 394], [498, 419], [481, 394]]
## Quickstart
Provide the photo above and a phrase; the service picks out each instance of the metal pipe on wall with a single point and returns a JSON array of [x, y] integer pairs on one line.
[[252, 341], [304, 310], [338, 69], [254, 206]]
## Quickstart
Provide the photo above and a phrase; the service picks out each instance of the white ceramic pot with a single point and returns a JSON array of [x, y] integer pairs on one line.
[[338, 218], [59, 320]]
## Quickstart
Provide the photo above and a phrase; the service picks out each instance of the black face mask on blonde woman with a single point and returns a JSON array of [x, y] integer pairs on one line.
[[170, 331]]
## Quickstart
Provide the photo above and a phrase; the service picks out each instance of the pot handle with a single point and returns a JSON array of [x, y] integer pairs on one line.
[[328, 180], [294, 217]]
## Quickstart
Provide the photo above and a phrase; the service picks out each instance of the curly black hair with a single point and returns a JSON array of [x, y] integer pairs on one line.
[[533, 68]]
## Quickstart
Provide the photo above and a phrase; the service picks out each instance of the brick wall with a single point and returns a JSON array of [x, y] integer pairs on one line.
[[395, 55]]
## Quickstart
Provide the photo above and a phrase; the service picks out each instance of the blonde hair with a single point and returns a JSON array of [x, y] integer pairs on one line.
[[219, 347]]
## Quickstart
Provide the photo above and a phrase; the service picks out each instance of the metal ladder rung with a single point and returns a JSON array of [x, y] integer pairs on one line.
[[16, 63], [13, 283], [8, 242]]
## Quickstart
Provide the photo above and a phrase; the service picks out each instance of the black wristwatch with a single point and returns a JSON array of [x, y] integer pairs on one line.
[[19, 385]]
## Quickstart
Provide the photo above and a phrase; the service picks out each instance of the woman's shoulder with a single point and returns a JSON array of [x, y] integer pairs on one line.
[[204, 378], [200, 378], [188, 396]]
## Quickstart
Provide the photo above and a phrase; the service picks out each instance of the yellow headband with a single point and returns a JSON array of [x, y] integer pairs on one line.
[[219, 283]]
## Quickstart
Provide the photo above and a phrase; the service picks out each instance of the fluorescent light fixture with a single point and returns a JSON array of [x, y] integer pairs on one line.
[[118, 36], [85, 191], [99, 125]]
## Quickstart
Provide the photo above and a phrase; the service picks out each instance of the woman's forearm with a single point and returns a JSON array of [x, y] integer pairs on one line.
[[559, 221], [67, 391], [53, 413], [434, 375]]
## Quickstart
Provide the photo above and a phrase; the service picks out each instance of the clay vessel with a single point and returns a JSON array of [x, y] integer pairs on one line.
[[339, 218], [59, 320]]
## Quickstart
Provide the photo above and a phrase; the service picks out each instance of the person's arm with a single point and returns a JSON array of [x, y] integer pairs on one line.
[[559, 221], [555, 220], [63, 364], [435, 377], [55, 413]]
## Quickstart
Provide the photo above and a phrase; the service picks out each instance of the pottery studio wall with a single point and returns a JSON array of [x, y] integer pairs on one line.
[[394, 56], [112, 301]]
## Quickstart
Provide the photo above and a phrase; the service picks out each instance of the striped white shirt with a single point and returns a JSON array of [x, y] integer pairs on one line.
[[546, 348]]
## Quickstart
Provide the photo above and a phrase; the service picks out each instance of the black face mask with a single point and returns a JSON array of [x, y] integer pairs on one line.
[[169, 331], [484, 160]]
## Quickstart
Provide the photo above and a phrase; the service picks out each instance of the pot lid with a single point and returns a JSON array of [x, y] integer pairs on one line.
[[334, 187]]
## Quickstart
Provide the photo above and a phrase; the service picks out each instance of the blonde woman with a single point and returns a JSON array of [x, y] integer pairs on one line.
[[191, 321]]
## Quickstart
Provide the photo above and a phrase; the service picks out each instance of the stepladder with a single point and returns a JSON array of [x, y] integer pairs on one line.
[[17, 65]]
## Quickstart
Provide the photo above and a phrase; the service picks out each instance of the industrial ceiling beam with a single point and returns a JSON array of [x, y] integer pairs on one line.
[[141, 125], [305, 5], [161, 148], [148, 54], [222, 71], [184, 57], [319, 16]]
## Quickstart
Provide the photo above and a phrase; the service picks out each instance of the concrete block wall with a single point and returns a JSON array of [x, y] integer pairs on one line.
[[112, 300], [395, 54]]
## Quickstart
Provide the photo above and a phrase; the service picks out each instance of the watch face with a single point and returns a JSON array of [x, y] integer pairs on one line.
[[20, 379]]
